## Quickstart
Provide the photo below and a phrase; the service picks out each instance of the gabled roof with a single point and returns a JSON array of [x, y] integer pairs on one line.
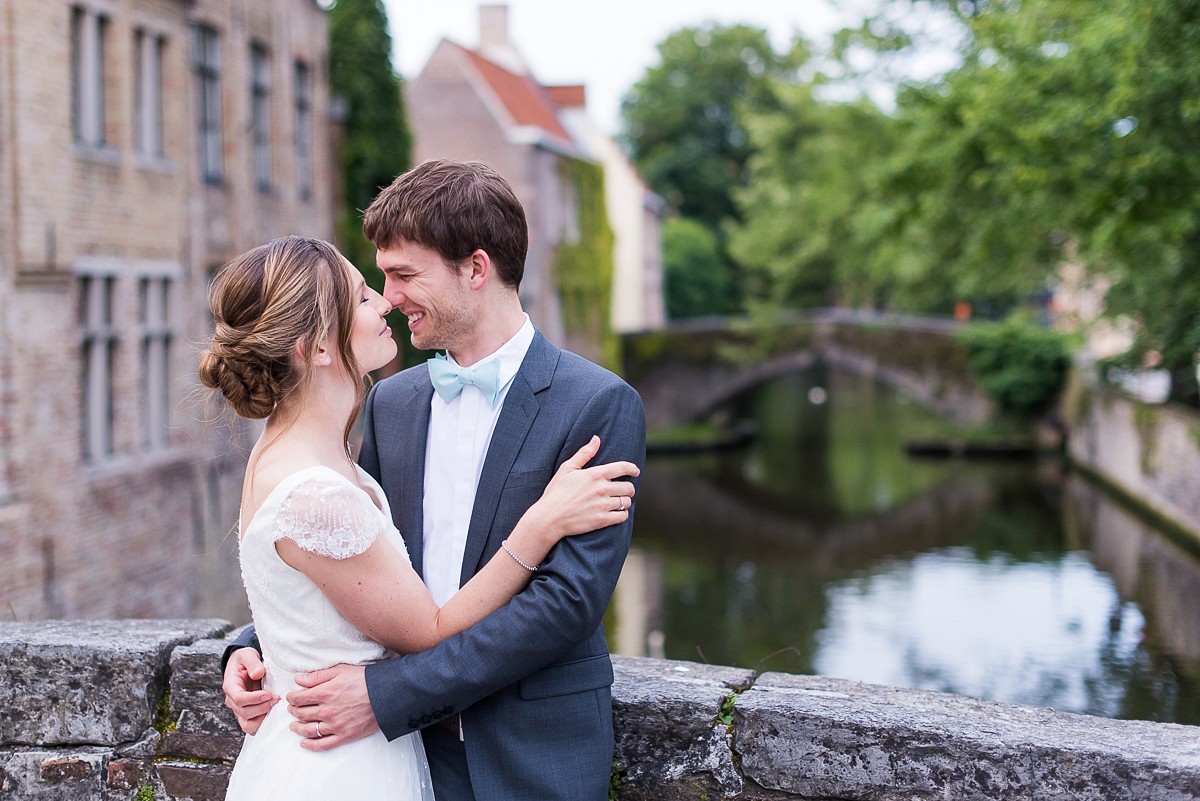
[[527, 101]]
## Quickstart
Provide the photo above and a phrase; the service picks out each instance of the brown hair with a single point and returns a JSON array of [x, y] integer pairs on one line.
[[454, 208], [288, 291]]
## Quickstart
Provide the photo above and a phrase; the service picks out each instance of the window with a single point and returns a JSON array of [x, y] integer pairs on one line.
[[206, 63], [99, 349], [569, 210], [148, 93], [88, 33], [304, 134], [260, 114], [156, 335], [6, 433]]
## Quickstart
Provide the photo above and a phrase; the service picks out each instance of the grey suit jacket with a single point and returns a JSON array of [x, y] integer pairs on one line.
[[531, 681]]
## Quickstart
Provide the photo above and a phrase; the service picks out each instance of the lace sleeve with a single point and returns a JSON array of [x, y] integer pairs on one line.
[[329, 517]]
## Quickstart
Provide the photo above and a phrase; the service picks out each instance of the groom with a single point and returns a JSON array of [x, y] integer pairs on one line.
[[518, 706]]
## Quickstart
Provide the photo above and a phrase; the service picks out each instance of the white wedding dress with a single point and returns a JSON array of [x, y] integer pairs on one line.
[[300, 630]]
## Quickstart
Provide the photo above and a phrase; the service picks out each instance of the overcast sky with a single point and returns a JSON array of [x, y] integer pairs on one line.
[[606, 45]]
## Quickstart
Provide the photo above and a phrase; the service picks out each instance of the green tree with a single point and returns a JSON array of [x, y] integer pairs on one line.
[[683, 125], [807, 239], [376, 143], [1067, 130], [696, 277], [1078, 126], [682, 120]]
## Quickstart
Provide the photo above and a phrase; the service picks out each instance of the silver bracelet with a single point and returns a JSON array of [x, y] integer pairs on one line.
[[517, 559]]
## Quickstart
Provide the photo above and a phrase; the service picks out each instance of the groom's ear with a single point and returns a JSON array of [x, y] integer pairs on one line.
[[478, 268]]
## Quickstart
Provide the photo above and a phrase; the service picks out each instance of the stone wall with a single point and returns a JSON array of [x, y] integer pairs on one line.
[[1146, 452], [105, 710]]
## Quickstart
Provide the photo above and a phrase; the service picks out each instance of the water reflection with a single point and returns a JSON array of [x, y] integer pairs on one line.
[[824, 549]]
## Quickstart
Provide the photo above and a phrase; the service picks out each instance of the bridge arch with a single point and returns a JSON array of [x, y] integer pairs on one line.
[[694, 367]]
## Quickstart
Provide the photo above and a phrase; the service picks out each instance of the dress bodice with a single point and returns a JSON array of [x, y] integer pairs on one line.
[[325, 513]]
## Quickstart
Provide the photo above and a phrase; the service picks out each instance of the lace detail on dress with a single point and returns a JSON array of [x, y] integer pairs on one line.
[[329, 517]]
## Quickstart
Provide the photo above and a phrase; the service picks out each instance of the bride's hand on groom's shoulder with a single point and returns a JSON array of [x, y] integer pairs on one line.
[[336, 699], [580, 499]]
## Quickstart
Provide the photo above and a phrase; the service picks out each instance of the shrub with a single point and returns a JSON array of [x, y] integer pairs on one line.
[[1022, 366]]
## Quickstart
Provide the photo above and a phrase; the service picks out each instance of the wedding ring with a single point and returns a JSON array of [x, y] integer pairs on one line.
[[318, 729], [620, 503]]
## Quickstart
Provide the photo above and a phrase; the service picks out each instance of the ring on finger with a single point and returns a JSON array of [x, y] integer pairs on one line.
[[319, 735]]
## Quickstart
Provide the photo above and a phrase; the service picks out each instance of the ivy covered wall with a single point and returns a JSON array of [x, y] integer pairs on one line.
[[584, 269]]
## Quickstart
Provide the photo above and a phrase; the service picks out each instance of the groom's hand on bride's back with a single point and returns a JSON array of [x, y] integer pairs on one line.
[[336, 698], [244, 694]]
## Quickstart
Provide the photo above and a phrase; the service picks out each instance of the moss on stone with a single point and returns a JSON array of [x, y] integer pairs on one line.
[[164, 720], [1146, 421]]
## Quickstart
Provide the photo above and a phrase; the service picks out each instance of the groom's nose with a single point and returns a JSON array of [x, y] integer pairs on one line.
[[392, 293]]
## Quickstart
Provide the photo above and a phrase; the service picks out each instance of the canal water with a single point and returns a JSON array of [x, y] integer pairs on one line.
[[822, 548]]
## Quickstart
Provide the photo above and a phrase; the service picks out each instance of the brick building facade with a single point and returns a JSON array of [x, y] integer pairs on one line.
[[484, 103], [142, 144]]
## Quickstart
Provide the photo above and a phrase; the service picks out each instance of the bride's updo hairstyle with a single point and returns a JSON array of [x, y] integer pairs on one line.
[[288, 291]]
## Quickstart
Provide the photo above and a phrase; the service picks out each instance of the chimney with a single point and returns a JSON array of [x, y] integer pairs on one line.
[[493, 26]]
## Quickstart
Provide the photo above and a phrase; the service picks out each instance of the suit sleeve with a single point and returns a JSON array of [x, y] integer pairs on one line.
[[247, 639], [563, 604]]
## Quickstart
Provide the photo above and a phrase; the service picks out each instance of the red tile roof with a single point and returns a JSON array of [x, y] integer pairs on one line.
[[526, 100], [568, 95]]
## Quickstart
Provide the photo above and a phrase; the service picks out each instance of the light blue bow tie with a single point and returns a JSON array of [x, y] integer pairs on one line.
[[449, 379]]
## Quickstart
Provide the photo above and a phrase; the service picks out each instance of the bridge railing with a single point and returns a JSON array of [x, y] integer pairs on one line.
[[104, 710]]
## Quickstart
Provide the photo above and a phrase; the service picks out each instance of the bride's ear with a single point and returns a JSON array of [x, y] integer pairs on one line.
[[320, 356]]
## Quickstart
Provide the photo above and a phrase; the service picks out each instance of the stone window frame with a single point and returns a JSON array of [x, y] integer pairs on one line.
[[98, 353], [156, 336], [302, 97], [569, 231], [90, 30], [206, 69], [260, 114], [7, 412], [149, 49], [132, 302]]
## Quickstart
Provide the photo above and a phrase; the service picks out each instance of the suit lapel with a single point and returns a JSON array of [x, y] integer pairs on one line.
[[516, 419], [409, 481]]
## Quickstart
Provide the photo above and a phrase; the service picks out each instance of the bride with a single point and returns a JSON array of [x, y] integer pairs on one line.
[[326, 572]]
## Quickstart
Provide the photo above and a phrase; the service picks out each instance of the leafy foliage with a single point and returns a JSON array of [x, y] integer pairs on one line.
[[376, 144], [696, 276], [584, 269], [803, 242], [1066, 130], [1022, 366], [684, 124], [683, 119]]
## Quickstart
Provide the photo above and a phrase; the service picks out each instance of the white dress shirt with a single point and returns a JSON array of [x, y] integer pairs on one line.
[[459, 434]]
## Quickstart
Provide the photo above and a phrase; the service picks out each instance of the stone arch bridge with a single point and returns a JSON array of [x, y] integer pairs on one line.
[[694, 367]]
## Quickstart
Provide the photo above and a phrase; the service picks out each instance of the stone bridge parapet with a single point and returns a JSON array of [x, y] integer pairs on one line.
[[105, 710], [694, 367]]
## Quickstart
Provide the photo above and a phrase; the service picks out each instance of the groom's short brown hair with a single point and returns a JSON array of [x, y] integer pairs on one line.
[[453, 207]]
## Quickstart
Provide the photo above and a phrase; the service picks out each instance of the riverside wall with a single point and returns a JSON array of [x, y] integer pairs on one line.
[[132, 709], [1147, 453]]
